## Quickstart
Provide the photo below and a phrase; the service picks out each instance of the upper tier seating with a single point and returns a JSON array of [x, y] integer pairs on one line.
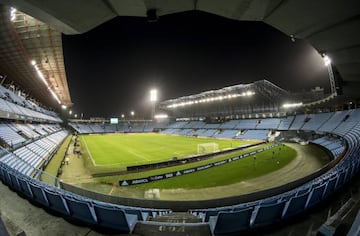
[[30, 157], [315, 121], [285, 123]]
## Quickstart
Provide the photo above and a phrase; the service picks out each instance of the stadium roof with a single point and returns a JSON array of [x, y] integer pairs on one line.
[[28, 49], [265, 88], [331, 26]]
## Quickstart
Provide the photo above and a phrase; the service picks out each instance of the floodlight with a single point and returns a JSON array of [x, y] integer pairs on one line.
[[292, 105], [70, 112], [327, 60], [153, 95], [12, 13], [33, 62], [75, 115], [132, 113], [63, 107], [122, 116], [161, 116], [249, 93]]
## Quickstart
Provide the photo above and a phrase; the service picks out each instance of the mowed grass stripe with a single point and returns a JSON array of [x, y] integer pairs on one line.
[[144, 174], [230, 173], [136, 149]]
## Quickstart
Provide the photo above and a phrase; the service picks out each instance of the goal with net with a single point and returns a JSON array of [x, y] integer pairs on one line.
[[204, 148]]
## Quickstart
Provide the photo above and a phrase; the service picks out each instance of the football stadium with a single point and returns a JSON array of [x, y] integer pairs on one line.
[[251, 158]]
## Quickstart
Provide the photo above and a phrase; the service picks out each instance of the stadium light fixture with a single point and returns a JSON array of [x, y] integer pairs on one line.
[[161, 116], [75, 115], [122, 116], [42, 78], [153, 95], [327, 63], [70, 112], [327, 60], [292, 105], [153, 99], [12, 13], [132, 113], [64, 107], [212, 99]]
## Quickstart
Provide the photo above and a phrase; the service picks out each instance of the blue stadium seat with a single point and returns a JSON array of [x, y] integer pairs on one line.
[[268, 214], [210, 213], [81, 210], [56, 202], [316, 195], [2, 172], [114, 218], [330, 186], [38, 194], [14, 181], [296, 205], [340, 181], [6, 178], [230, 222], [25, 187], [141, 216]]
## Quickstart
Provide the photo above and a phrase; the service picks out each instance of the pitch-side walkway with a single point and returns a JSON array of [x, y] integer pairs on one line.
[[74, 172]]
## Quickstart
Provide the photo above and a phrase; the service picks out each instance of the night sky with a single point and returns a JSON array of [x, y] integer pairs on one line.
[[111, 68]]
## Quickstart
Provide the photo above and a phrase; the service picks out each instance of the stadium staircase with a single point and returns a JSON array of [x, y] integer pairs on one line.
[[175, 223]]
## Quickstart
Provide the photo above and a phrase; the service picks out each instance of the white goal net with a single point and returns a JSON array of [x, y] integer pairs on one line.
[[204, 148]]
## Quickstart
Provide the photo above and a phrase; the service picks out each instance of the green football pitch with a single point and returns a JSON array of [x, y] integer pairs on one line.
[[105, 158], [122, 150]]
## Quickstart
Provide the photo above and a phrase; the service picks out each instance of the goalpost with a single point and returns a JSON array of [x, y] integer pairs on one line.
[[204, 148]]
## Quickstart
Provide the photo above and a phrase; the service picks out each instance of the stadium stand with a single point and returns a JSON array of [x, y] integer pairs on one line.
[[226, 134], [10, 136], [285, 123], [231, 124], [270, 123], [17, 167], [247, 124], [30, 157], [298, 122], [254, 134], [315, 121], [12, 106], [293, 202]]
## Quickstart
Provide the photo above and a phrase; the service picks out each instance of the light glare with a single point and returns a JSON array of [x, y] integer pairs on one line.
[[161, 116], [153, 95], [327, 60], [211, 99], [291, 105]]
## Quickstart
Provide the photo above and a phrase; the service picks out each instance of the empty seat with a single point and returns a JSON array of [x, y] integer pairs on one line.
[[140, 215], [38, 194], [81, 210], [268, 214], [56, 202], [14, 182], [25, 188], [230, 222], [114, 218], [340, 181], [296, 205], [316, 195]]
